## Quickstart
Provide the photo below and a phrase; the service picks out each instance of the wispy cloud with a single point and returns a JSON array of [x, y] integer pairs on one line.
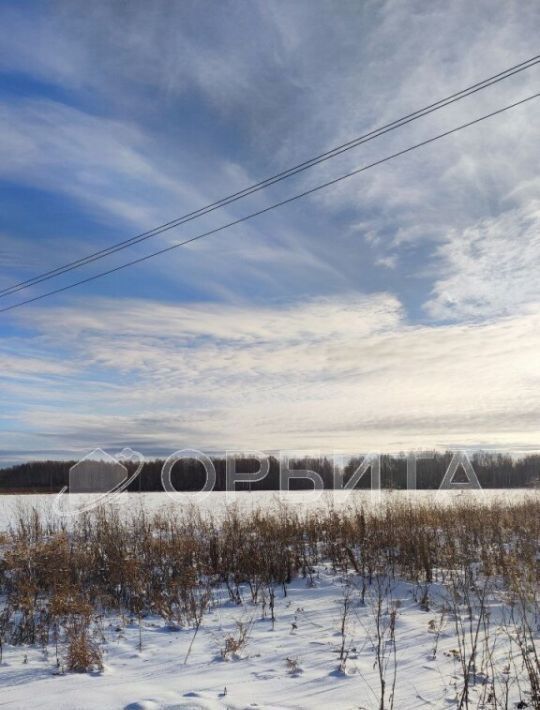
[[293, 81], [384, 312], [346, 373], [99, 161], [490, 268]]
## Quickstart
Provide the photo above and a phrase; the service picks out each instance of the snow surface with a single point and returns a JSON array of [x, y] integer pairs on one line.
[[306, 632], [217, 503], [156, 676]]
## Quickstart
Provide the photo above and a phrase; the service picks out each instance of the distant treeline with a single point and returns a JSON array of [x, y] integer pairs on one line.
[[493, 471]]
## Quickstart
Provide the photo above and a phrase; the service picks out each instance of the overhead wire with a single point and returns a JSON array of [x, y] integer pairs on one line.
[[294, 170], [273, 206]]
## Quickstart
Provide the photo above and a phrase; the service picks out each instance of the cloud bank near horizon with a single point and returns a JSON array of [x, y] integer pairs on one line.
[[345, 374]]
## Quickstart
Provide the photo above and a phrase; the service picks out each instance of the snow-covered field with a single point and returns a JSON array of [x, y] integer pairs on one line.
[[216, 503], [294, 663], [306, 631]]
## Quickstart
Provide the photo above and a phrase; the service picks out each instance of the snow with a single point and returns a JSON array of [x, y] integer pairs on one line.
[[156, 676], [216, 503], [293, 665]]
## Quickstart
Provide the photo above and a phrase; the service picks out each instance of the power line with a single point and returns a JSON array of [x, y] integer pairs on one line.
[[301, 167], [311, 191]]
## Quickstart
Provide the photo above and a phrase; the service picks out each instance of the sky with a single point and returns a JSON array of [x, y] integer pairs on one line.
[[396, 310]]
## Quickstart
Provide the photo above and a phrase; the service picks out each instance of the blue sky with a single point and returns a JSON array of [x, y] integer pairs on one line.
[[396, 310]]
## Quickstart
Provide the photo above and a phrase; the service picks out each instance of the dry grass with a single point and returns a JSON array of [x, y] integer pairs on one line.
[[235, 643], [54, 582], [82, 654]]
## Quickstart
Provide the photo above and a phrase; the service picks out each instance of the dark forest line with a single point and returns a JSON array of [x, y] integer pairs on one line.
[[492, 470]]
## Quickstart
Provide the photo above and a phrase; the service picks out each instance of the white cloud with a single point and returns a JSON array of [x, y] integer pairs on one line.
[[491, 267], [99, 161], [288, 81], [275, 83], [293, 80], [111, 168], [345, 373]]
